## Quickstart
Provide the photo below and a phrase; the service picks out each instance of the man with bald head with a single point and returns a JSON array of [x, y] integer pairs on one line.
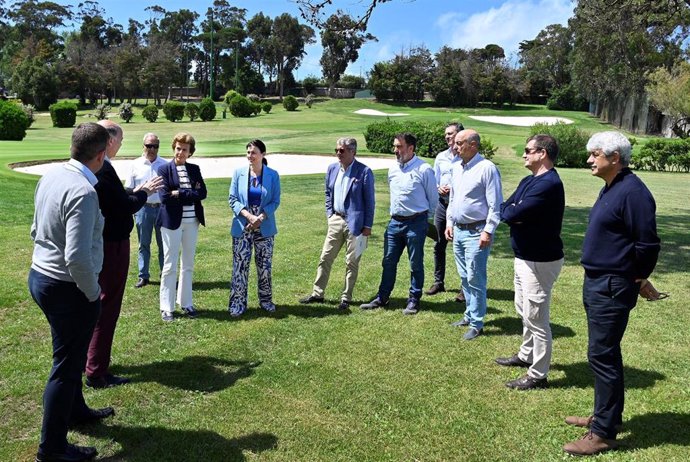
[[117, 207], [143, 169], [473, 215]]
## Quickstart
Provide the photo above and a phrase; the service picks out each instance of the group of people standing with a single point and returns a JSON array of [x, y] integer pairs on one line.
[[84, 215]]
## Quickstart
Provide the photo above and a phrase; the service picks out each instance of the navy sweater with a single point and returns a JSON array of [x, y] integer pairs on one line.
[[621, 237], [534, 213]]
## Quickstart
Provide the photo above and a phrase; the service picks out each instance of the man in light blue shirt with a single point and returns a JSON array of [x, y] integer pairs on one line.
[[413, 195], [442, 170], [473, 215]]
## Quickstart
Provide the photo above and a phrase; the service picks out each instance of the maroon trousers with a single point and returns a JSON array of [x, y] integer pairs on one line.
[[112, 280]]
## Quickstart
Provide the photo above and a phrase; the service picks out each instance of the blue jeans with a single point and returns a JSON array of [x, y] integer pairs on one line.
[[471, 263], [608, 300], [400, 234], [145, 220], [72, 319]]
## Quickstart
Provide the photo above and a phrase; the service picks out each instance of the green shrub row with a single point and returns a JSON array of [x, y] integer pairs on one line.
[[63, 114], [430, 139], [663, 154], [13, 121], [572, 143]]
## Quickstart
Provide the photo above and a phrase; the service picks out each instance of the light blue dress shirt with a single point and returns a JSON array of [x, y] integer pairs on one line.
[[443, 166], [412, 187], [475, 194], [340, 187]]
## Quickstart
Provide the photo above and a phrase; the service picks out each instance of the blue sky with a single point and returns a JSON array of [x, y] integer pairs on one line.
[[398, 24]]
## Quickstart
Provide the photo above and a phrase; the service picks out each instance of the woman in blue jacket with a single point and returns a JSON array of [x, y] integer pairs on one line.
[[254, 198]]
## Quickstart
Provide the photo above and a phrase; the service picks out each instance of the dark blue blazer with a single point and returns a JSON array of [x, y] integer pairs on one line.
[[360, 200], [170, 215]]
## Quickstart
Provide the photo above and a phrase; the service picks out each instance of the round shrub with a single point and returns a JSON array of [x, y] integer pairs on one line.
[[30, 112], [13, 122], [191, 110], [63, 114], [241, 106], [126, 112], [290, 103], [207, 109], [256, 108], [229, 96], [150, 113], [266, 106], [572, 143], [173, 110]]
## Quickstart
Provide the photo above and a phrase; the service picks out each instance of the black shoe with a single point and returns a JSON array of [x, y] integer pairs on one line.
[[73, 453], [462, 323], [375, 303], [412, 306], [513, 361], [107, 381], [344, 305], [527, 383], [92, 416], [311, 299], [141, 283], [435, 288]]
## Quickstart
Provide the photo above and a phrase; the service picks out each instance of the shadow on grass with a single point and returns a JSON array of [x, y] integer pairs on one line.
[[316, 310], [195, 373], [656, 429], [512, 325], [579, 375], [157, 443]]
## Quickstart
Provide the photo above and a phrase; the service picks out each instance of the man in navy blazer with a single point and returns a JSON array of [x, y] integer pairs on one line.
[[350, 203]]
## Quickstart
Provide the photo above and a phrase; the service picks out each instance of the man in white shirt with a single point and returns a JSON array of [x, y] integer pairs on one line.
[[142, 170]]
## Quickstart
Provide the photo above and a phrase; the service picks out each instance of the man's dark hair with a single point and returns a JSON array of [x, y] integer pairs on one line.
[[88, 139], [408, 138], [458, 126], [548, 143]]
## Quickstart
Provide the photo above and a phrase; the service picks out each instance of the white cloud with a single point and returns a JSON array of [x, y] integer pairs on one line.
[[507, 25]]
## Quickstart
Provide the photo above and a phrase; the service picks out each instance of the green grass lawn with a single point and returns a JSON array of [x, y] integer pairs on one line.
[[309, 383]]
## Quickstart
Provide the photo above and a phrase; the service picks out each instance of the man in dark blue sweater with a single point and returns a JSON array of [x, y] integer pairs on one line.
[[620, 251], [535, 214]]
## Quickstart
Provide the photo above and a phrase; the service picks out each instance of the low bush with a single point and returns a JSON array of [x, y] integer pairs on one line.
[[126, 112], [256, 107], [207, 109], [229, 96], [13, 121], [572, 143], [241, 107], [30, 112], [266, 106], [191, 110], [63, 114], [663, 154], [290, 103], [430, 140], [173, 110], [150, 113], [102, 111]]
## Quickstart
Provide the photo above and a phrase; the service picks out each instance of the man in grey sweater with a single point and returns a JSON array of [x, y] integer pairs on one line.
[[67, 231]]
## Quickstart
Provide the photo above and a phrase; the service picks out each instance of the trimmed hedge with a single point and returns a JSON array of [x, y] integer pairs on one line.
[[207, 109], [663, 154], [290, 103], [63, 114], [150, 113], [266, 106], [240, 106], [173, 110], [13, 121], [430, 137], [572, 143], [191, 110]]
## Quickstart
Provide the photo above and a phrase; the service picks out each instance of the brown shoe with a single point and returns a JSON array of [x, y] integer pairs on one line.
[[589, 445], [586, 422], [435, 288], [460, 298]]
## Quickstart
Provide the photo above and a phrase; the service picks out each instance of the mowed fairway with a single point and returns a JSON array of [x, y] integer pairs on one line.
[[309, 383]]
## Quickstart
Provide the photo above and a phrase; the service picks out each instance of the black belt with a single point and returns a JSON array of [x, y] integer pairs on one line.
[[472, 225], [408, 217], [341, 215], [153, 206]]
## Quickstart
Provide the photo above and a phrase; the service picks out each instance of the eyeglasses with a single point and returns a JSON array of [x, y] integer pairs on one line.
[[340, 150], [152, 146], [533, 150]]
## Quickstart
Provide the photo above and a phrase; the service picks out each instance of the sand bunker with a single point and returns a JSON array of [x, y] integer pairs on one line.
[[521, 121], [222, 167], [374, 112]]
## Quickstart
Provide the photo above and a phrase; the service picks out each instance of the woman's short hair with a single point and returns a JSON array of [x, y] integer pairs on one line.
[[185, 138]]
